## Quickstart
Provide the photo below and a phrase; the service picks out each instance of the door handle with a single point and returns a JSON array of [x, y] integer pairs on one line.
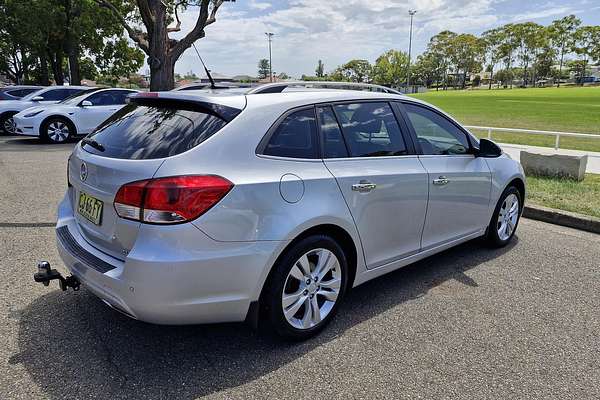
[[363, 187], [441, 181]]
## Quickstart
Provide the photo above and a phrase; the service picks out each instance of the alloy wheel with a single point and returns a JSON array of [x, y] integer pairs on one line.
[[311, 288], [508, 217], [58, 131], [10, 126]]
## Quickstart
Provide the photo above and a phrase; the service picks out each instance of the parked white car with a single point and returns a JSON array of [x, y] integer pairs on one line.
[[42, 97], [76, 116]]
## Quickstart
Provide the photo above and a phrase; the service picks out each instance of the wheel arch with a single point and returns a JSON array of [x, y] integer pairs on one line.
[[57, 116], [520, 185], [339, 234]]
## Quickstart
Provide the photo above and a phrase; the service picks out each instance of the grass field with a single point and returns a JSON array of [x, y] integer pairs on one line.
[[564, 109], [565, 194]]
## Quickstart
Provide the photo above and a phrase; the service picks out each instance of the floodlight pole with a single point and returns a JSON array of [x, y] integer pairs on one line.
[[412, 14], [269, 38]]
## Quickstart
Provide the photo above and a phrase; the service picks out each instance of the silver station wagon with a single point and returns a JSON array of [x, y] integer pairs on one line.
[[269, 204]]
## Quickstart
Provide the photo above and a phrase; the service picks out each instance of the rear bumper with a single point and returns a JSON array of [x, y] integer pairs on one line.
[[173, 275]]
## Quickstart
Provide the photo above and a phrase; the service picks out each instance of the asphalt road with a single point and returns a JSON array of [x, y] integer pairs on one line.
[[471, 323]]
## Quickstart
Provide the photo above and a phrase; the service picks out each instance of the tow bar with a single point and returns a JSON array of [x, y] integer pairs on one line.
[[45, 275]]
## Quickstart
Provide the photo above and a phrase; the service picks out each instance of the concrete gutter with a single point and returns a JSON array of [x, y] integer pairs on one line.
[[563, 218]]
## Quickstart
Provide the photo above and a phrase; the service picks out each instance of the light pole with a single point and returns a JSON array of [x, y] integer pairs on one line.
[[269, 38], [412, 14]]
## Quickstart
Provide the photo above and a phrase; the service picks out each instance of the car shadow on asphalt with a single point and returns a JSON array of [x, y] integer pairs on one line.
[[20, 143], [74, 346]]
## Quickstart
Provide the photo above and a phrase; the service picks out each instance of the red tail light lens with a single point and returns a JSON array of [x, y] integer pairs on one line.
[[170, 200]]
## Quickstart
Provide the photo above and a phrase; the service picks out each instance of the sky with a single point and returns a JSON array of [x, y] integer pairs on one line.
[[338, 31]]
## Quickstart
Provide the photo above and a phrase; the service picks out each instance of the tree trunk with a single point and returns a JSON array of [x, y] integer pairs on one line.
[[562, 57], [491, 77], [57, 71], [162, 65], [44, 78], [75, 75]]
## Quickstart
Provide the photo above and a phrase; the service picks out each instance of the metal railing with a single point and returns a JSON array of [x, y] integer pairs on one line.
[[557, 135]]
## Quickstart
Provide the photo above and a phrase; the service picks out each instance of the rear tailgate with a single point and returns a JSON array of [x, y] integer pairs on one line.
[[101, 178]]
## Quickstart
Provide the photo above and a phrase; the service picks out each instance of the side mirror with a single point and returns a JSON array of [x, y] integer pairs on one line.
[[37, 98], [86, 103], [488, 149]]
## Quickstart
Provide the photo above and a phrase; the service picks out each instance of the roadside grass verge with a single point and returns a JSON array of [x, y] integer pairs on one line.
[[573, 109], [566, 194]]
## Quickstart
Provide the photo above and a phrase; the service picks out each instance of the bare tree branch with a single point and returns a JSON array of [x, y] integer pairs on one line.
[[204, 19], [177, 27], [135, 35]]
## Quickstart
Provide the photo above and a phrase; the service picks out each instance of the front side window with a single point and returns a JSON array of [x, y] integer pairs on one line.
[[436, 134], [370, 129], [295, 137]]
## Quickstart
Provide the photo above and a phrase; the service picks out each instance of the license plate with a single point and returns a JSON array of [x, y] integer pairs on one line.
[[90, 208]]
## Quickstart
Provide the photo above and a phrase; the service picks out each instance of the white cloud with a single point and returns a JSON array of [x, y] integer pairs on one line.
[[259, 5], [337, 31]]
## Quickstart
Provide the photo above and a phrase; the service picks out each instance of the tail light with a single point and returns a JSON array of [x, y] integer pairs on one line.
[[170, 200]]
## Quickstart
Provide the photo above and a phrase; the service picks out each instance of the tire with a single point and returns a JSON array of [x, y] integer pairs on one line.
[[309, 304], [57, 130], [7, 124], [503, 225]]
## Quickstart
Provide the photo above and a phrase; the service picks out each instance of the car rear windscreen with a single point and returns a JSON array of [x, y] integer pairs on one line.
[[147, 131]]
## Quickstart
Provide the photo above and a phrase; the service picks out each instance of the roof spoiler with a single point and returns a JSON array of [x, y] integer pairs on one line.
[[279, 87], [224, 112]]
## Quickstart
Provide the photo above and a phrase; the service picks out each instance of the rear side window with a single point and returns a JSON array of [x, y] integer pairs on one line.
[[371, 129], [59, 94], [333, 141], [295, 137], [143, 132]]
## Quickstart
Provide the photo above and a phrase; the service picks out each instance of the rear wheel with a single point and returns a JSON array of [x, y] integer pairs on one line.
[[306, 288], [506, 217], [7, 124], [57, 130]]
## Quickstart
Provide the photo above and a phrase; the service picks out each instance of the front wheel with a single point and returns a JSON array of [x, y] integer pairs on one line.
[[7, 124], [506, 217], [57, 130], [306, 288]]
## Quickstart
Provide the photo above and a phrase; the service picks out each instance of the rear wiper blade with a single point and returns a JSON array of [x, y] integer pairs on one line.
[[92, 143]]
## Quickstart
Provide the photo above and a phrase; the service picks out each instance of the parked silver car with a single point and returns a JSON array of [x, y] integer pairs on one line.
[[195, 207]]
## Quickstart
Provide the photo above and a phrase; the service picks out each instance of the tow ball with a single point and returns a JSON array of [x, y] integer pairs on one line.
[[45, 274]]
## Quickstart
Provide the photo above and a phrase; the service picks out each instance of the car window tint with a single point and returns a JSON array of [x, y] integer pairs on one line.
[[296, 136], [107, 98], [371, 129], [59, 94], [333, 142], [16, 92], [436, 134], [143, 132], [121, 96]]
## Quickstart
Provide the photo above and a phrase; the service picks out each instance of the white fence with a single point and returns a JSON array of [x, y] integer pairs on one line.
[[557, 135]]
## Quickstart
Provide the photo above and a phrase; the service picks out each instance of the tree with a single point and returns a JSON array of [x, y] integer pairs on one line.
[[440, 46], [427, 70], [529, 38], [162, 50], [390, 68], [562, 34], [492, 43], [320, 69], [354, 71], [587, 46], [263, 68], [466, 54]]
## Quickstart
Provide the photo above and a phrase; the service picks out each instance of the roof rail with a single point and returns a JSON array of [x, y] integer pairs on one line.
[[279, 87]]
